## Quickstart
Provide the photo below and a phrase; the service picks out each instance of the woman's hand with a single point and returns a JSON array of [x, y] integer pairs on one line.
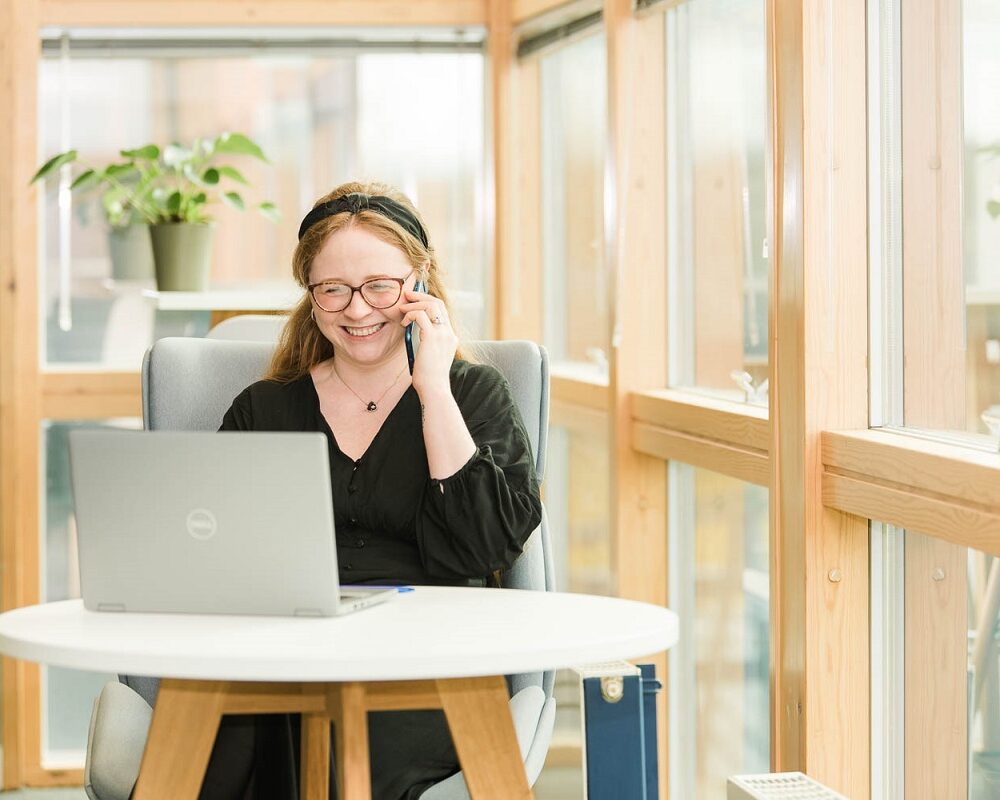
[[438, 342]]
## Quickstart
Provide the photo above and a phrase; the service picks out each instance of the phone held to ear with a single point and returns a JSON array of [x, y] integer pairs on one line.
[[410, 344]]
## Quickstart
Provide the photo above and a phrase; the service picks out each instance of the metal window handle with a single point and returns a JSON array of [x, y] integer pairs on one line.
[[755, 395]]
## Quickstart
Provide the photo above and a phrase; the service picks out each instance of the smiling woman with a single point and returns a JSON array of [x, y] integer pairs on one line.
[[432, 475]]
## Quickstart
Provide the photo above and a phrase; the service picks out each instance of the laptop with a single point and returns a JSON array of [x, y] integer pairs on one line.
[[208, 523]]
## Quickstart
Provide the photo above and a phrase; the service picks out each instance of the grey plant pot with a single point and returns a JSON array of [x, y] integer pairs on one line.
[[182, 254], [131, 253]]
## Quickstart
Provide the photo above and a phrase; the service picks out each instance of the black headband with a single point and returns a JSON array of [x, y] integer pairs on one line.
[[356, 202]]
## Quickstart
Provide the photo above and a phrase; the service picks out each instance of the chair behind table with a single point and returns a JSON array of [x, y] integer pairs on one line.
[[188, 384]]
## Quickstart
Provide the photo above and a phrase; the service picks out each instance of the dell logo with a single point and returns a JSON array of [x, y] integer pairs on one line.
[[201, 524]]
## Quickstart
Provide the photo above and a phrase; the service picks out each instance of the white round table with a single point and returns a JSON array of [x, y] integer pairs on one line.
[[431, 632], [432, 647]]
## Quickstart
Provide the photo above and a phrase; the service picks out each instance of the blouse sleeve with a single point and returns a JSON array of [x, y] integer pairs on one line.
[[480, 521], [239, 416]]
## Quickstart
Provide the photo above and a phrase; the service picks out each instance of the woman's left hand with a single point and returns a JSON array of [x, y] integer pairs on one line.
[[438, 342]]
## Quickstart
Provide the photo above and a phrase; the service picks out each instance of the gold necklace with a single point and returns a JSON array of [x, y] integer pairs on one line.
[[371, 405]]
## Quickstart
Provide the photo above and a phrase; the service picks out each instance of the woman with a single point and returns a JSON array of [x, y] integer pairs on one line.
[[433, 479]]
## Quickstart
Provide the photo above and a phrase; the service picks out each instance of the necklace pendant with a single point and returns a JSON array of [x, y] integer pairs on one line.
[[372, 407]]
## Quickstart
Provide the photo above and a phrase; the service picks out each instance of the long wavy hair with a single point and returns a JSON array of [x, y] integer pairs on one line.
[[302, 345]]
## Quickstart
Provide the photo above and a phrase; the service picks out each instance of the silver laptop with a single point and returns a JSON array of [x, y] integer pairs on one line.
[[208, 523]]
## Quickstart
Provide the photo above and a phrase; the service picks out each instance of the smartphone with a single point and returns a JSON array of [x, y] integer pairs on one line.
[[417, 287]]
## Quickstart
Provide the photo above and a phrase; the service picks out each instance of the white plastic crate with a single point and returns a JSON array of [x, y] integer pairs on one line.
[[778, 786]]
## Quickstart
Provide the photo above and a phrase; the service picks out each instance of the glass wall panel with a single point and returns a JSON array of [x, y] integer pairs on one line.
[[981, 208], [719, 669], [716, 199], [936, 691], [935, 224], [576, 492], [574, 140], [322, 115], [67, 695]]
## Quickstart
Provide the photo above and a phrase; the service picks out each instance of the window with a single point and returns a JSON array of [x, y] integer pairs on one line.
[[716, 226], [574, 124], [578, 503], [719, 669], [936, 701], [67, 694], [322, 112], [935, 217]]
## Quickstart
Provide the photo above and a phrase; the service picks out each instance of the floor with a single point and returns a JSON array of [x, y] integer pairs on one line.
[[562, 783]]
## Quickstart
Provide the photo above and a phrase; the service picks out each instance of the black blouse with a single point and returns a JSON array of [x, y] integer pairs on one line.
[[393, 522]]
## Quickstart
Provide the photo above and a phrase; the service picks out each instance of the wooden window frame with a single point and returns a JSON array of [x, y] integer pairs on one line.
[[938, 489]]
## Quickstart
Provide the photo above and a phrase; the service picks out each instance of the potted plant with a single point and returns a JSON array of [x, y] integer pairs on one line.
[[171, 190], [128, 232]]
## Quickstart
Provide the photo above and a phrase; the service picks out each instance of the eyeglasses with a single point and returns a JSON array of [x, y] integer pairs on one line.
[[378, 293]]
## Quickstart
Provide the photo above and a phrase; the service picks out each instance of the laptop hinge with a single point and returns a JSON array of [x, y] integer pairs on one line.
[[110, 606]]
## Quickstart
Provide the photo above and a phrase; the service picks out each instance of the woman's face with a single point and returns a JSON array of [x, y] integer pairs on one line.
[[359, 332]]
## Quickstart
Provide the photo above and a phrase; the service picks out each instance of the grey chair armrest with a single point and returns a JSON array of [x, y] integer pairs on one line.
[[119, 726], [527, 707]]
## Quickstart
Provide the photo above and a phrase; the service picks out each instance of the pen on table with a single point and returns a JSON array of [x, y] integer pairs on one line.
[[374, 586]]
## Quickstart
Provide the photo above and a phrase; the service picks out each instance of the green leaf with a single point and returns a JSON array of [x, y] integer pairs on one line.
[[120, 170], [174, 155], [210, 176], [239, 144], [233, 200], [83, 179], [174, 203], [993, 208], [270, 210], [200, 198], [235, 174], [53, 164], [148, 153]]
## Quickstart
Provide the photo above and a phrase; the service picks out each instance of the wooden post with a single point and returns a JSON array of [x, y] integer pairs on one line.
[[500, 69], [635, 238], [818, 374], [19, 465]]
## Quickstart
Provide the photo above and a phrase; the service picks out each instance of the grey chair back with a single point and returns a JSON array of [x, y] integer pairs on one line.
[[188, 383], [250, 328]]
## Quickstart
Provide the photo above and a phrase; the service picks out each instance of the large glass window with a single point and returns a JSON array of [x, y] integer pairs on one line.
[[935, 214], [67, 694], [935, 657], [323, 114], [716, 203], [981, 207], [577, 499], [574, 137], [719, 668]]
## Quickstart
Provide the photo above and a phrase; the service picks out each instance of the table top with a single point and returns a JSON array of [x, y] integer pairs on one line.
[[430, 632]]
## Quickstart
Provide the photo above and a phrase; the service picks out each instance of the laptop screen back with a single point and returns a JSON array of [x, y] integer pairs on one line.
[[231, 523]]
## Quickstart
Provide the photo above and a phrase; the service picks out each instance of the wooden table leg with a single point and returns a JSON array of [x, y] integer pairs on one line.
[[315, 757], [478, 712], [185, 722], [350, 716]]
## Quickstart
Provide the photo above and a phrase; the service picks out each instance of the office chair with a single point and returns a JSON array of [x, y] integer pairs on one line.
[[188, 384], [249, 328]]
